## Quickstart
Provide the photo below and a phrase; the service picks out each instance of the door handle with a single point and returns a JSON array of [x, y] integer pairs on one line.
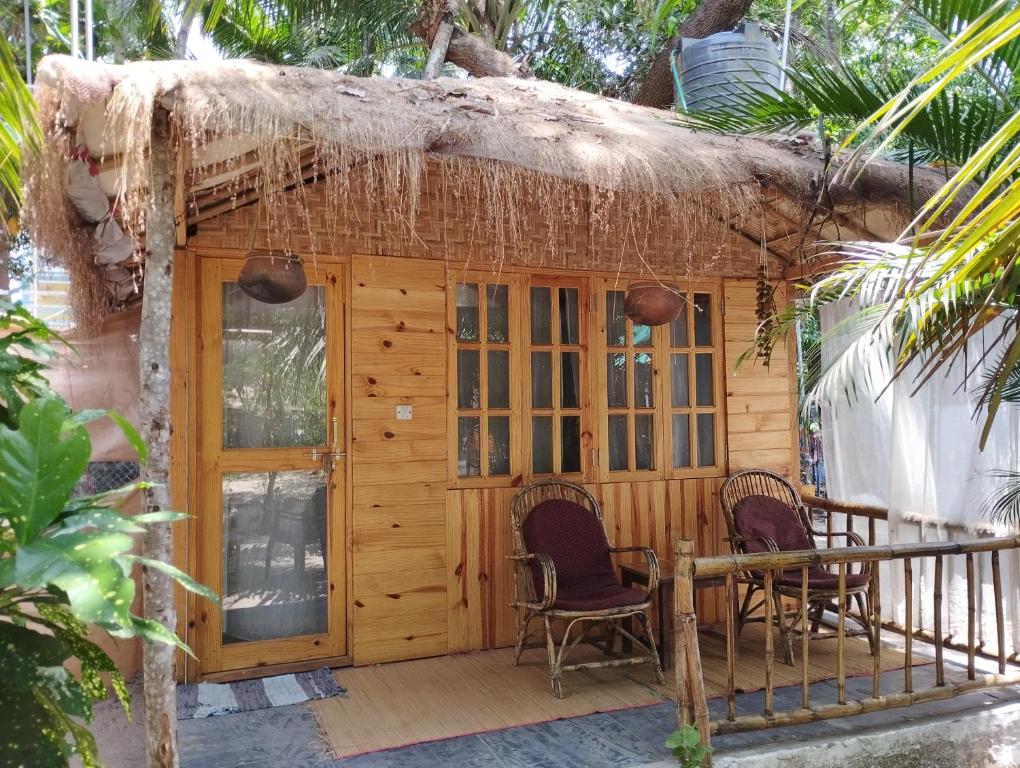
[[335, 452]]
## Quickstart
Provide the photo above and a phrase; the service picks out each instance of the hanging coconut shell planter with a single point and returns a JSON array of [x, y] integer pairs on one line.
[[651, 302], [272, 277]]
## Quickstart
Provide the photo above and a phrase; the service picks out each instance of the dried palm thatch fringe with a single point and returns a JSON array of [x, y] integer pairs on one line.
[[253, 130]]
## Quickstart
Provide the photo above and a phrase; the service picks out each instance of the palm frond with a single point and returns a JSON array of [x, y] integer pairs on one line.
[[1002, 504], [19, 130], [949, 130]]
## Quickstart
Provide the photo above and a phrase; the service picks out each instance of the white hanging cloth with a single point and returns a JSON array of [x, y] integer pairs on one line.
[[917, 454]]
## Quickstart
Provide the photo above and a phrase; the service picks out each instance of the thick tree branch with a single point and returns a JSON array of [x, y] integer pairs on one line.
[[440, 45], [471, 52], [709, 17]]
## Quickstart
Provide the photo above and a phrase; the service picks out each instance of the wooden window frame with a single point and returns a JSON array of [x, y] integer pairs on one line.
[[602, 379], [555, 348], [515, 320], [662, 411], [717, 350]]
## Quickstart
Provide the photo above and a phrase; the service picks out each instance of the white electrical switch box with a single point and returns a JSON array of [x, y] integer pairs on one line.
[[403, 413]]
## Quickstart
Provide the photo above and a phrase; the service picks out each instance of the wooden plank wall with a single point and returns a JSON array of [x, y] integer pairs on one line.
[[643, 513], [761, 402], [760, 405], [398, 521]]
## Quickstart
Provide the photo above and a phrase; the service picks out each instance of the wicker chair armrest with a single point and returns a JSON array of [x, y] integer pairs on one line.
[[852, 539], [770, 545], [738, 541], [653, 565], [548, 576]]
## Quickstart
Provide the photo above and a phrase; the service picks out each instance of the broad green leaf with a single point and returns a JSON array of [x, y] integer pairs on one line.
[[39, 466], [177, 574], [131, 434]]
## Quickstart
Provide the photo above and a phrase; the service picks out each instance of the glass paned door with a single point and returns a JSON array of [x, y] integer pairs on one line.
[[272, 467]]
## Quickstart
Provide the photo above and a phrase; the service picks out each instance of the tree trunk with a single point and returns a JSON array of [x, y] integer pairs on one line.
[[5, 260], [709, 17], [184, 31], [158, 666], [440, 45], [471, 52]]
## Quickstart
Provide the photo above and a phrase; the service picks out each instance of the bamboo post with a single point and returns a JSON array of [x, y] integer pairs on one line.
[[1000, 625], [876, 627], [971, 617], [770, 602], [841, 636], [731, 647], [159, 676], [805, 635], [692, 702], [872, 535], [908, 625], [940, 669]]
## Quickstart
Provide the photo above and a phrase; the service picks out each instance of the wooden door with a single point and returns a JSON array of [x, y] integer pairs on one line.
[[272, 472]]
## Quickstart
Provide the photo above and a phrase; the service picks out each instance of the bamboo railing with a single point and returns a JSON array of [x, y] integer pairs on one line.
[[692, 704], [870, 515]]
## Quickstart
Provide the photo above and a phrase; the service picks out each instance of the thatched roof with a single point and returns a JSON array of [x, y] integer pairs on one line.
[[249, 130]]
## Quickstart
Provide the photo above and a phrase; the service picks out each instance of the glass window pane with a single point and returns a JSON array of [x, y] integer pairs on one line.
[[570, 379], [678, 328], [569, 318], [468, 438], [643, 381], [703, 379], [274, 570], [616, 322], [467, 312], [497, 316], [541, 445], [274, 373], [499, 445], [468, 379], [706, 439], [541, 316], [641, 335], [616, 380], [570, 444], [681, 440], [702, 319], [643, 441], [541, 380], [499, 378], [617, 443], [678, 383]]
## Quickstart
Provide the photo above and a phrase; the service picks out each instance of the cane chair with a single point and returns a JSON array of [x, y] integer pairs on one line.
[[764, 513], [564, 572]]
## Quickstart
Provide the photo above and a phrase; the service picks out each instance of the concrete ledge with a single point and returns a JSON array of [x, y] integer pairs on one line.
[[977, 738]]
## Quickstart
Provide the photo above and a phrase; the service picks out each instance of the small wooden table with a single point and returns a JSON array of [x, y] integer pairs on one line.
[[637, 573]]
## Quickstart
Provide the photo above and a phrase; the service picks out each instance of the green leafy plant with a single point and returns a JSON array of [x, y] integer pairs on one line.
[[685, 744], [66, 563]]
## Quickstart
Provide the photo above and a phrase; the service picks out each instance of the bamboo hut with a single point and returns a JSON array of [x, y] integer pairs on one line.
[[348, 457]]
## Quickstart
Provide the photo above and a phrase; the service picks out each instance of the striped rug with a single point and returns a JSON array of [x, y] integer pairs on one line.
[[196, 700]]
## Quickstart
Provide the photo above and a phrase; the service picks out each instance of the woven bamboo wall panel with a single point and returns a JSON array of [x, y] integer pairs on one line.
[[480, 582], [450, 223]]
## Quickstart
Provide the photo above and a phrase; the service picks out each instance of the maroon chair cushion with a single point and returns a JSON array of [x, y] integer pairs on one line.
[[576, 542], [767, 516]]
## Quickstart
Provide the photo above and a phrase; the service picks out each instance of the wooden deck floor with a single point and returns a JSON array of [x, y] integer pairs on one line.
[[391, 705]]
